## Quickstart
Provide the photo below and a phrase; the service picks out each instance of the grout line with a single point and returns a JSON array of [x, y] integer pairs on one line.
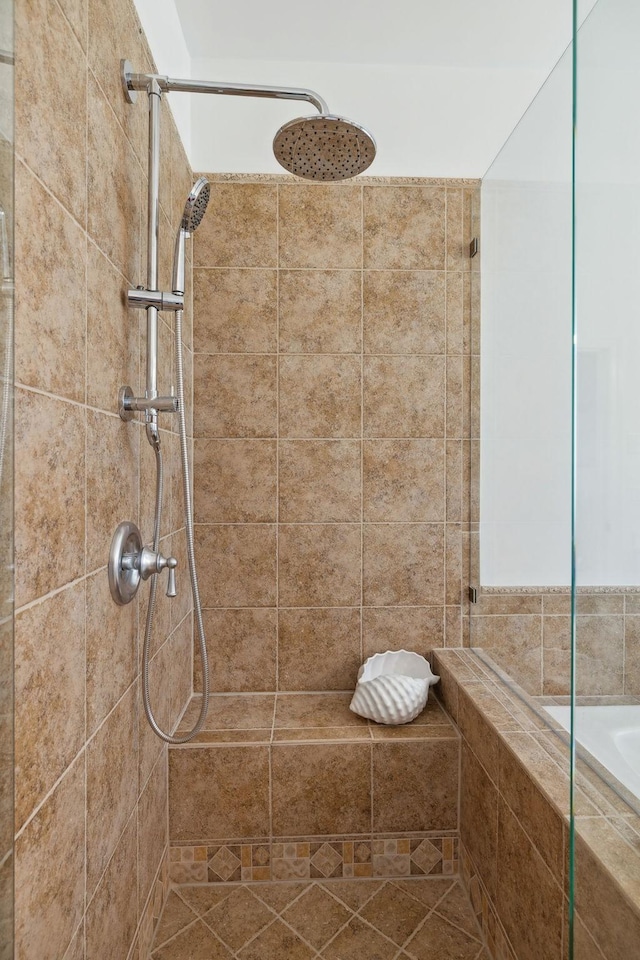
[[312, 355]]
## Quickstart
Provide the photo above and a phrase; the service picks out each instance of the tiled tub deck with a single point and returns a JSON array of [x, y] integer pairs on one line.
[[514, 828]]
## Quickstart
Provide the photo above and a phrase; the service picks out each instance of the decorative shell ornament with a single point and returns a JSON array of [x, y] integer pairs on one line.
[[393, 687]]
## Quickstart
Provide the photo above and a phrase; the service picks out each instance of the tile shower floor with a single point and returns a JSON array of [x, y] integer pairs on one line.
[[413, 919]]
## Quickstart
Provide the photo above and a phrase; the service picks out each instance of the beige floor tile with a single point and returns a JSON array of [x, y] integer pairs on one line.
[[317, 916], [429, 892], [203, 898], [456, 908], [394, 914], [195, 943], [278, 896], [391, 914], [353, 893], [175, 916], [276, 943], [238, 918], [438, 939], [359, 941]]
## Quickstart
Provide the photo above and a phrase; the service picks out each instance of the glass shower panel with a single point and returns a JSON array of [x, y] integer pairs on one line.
[[6, 480], [607, 427], [521, 475], [606, 618]]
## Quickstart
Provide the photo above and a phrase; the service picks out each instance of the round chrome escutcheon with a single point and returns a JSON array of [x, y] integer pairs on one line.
[[124, 579]]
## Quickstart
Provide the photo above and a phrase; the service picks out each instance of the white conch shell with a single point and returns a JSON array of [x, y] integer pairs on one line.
[[393, 687]]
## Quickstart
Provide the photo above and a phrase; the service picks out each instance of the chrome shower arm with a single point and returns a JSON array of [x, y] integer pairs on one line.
[[133, 82]]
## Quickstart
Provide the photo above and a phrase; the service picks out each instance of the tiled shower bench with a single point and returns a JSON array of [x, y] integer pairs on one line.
[[295, 786]]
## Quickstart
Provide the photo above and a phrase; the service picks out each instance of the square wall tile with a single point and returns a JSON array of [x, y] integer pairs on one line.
[[238, 564], [403, 564], [152, 829], [112, 784], [47, 911], [49, 532], [114, 907], [236, 481], [50, 694], [533, 923], [404, 311], [320, 311], [320, 226], [242, 649], [515, 643], [112, 28], [479, 818], [239, 228], [113, 349], [112, 481], [401, 628], [320, 396], [54, 85], [632, 656], [114, 203], [50, 338], [323, 791], [237, 310], [218, 793], [319, 565], [417, 239], [403, 480], [600, 655], [318, 649], [415, 785], [319, 480], [404, 396], [234, 396]]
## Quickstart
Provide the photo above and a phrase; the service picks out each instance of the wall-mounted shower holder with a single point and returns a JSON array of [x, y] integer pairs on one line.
[[130, 562]]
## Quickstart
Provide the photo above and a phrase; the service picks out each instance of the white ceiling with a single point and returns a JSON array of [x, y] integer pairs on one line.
[[448, 33], [440, 83]]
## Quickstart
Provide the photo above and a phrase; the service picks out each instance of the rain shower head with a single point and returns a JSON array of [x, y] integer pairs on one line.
[[196, 205], [324, 147], [194, 211]]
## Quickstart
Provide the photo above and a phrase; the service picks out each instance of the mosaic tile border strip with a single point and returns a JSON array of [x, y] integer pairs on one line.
[[141, 947], [535, 591], [315, 859], [493, 932], [365, 180]]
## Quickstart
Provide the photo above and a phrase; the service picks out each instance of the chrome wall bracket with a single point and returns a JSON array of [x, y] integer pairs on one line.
[[160, 299], [130, 562], [128, 404]]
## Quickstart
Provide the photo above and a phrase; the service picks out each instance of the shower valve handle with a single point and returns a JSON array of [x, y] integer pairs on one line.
[[149, 562], [172, 590]]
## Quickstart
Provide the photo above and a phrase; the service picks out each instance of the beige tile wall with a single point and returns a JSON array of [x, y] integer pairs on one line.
[[91, 779], [332, 374], [528, 634]]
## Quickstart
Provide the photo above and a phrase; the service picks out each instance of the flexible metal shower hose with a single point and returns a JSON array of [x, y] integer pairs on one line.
[[193, 576]]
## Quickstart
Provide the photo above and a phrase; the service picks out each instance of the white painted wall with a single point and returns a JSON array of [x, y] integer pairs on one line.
[[162, 26], [427, 121], [526, 325], [525, 475], [608, 307]]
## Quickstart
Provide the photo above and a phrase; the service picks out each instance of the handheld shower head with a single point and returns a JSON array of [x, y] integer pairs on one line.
[[324, 147], [194, 210]]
